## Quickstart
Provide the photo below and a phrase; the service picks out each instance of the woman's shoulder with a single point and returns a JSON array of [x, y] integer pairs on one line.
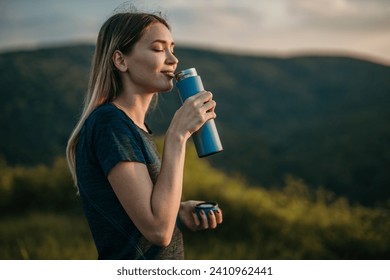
[[104, 109], [105, 113]]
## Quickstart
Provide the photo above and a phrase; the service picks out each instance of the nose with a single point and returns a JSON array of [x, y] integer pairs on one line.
[[171, 58]]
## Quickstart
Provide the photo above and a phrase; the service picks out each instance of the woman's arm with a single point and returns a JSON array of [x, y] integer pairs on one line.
[[154, 209]]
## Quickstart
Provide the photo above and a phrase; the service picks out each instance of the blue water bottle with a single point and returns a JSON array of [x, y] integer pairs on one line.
[[206, 139]]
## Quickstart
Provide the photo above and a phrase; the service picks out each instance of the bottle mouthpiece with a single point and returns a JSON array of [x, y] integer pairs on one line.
[[190, 72]]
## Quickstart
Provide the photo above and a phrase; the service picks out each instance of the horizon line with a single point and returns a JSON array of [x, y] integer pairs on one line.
[[282, 54]]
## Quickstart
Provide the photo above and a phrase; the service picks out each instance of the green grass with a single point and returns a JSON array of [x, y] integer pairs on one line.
[[46, 237], [42, 218]]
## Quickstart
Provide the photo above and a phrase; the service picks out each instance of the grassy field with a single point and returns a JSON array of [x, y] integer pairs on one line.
[[42, 219], [46, 236]]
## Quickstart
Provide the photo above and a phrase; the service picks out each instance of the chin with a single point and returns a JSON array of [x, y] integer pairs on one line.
[[166, 89]]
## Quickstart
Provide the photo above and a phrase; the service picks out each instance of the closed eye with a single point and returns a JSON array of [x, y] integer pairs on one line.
[[160, 45]]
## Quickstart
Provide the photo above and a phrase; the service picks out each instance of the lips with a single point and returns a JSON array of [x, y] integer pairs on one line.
[[169, 74]]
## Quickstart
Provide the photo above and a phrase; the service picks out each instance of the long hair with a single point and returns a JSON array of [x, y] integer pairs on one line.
[[120, 32]]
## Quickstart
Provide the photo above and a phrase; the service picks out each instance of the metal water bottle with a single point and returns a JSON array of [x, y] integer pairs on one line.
[[206, 139]]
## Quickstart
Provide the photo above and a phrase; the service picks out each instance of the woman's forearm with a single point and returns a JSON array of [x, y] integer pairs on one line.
[[167, 192]]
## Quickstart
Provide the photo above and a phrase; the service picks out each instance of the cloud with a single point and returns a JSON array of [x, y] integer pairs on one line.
[[32, 23], [282, 25], [336, 15]]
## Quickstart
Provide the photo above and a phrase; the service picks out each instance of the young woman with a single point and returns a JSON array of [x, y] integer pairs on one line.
[[131, 198]]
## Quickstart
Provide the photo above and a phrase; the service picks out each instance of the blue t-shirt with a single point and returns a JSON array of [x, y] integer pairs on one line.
[[108, 137]]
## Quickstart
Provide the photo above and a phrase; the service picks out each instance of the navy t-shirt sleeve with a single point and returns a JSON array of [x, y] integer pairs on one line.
[[116, 139]]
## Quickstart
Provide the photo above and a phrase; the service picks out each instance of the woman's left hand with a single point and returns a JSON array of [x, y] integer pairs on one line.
[[189, 218]]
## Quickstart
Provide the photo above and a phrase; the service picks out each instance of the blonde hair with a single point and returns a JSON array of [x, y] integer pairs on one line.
[[120, 32]]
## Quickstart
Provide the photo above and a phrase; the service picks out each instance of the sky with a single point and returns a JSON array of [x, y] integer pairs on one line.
[[359, 28]]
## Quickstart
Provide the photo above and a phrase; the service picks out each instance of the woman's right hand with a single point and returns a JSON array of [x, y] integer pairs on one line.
[[195, 111]]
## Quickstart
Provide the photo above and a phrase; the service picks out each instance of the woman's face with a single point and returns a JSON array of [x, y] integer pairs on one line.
[[151, 64]]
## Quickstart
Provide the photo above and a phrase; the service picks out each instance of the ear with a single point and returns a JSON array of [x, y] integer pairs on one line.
[[119, 61]]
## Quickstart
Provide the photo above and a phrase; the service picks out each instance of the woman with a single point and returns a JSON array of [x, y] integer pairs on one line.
[[130, 197]]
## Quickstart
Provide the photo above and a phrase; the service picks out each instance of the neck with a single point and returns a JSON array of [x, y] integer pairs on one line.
[[135, 107]]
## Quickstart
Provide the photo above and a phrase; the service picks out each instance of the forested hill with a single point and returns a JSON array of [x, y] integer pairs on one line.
[[322, 119]]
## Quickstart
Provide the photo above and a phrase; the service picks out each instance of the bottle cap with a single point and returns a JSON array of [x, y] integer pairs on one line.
[[206, 207]]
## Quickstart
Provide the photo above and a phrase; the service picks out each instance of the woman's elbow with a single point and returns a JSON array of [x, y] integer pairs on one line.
[[162, 239]]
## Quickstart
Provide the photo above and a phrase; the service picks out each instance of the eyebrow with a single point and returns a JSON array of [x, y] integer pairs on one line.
[[163, 42]]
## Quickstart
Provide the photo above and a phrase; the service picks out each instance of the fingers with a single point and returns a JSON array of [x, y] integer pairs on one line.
[[219, 216], [208, 106], [200, 222], [205, 105], [202, 102], [211, 220], [195, 111], [215, 218], [196, 219], [204, 222], [201, 97]]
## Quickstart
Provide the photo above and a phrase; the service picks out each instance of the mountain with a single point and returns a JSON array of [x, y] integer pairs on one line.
[[322, 119]]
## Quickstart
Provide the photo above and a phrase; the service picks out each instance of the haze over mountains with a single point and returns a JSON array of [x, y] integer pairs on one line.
[[322, 119]]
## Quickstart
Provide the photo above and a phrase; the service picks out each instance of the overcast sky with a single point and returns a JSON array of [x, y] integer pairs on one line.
[[353, 27]]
